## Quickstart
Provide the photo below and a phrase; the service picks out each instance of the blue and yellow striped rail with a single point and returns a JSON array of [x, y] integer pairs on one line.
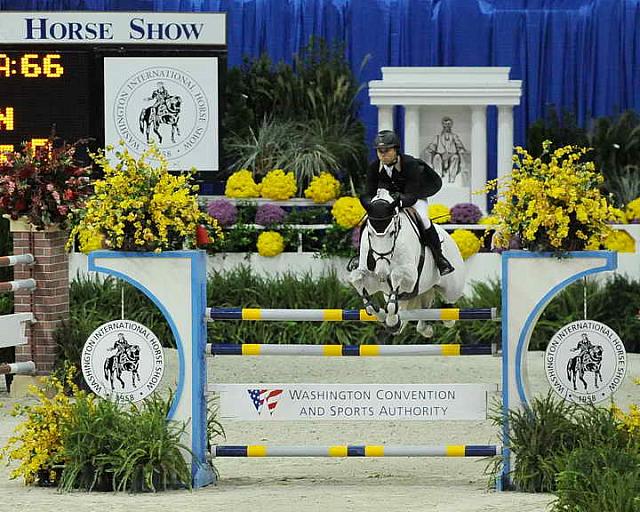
[[469, 450], [265, 349], [342, 315]]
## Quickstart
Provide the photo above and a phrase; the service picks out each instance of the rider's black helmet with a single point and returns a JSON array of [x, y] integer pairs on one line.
[[386, 139]]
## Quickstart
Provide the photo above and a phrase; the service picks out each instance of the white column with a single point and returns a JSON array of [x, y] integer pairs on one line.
[[478, 155], [505, 139], [412, 130], [385, 117]]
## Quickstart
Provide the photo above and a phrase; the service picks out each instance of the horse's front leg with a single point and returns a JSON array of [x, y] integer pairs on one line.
[[402, 280]]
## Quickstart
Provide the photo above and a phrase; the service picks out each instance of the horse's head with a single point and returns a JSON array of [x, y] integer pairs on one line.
[[174, 103], [381, 212]]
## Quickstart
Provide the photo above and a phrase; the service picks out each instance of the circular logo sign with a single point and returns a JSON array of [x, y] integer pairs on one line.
[[123, 360], [585, 362], [162, 105]]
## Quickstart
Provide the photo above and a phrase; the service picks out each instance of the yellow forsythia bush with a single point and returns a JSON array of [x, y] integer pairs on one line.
[[467, 242], [241, 184], [439, 213], [347, 212], [270, 243], [323, 188], [553, 202], [278, 185]]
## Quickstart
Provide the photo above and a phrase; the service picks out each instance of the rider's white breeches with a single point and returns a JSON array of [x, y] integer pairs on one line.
[[422, 207]]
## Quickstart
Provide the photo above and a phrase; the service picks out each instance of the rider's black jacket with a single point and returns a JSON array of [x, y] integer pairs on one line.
[[415, 180]]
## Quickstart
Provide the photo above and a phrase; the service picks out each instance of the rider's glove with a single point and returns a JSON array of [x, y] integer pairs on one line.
[[397, 200]]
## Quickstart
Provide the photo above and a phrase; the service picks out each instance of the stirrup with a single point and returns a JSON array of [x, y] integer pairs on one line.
[[444, 266]]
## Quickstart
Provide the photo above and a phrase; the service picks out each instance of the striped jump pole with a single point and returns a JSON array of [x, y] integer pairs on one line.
[[342, 315], [266, 349], [18, 259], [25, 368], [18, 284], [356, 451]]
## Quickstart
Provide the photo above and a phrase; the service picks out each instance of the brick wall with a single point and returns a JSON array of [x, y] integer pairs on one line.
[[49, 302]]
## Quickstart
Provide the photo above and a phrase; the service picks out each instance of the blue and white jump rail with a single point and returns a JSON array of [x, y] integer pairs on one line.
[[344, 315], [529, 282]]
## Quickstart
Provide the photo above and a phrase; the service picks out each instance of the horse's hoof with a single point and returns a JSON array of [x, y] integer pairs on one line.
[[394, 324], [448, 323], [425, 329]]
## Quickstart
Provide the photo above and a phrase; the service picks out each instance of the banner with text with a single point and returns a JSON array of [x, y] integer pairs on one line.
[[421, 402]]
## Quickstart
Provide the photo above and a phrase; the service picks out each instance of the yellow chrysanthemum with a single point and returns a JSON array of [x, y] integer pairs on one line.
[[620, 241], [278, 185], [632, 211], [323, 188], [241, 184], [348, 212], [467, 242], [439, 213], [270, 243]]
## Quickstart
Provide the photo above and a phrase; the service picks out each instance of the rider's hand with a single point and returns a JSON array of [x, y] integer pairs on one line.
[[397, 200]]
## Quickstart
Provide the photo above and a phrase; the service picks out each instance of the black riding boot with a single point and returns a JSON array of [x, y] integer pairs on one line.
[[432, 241]]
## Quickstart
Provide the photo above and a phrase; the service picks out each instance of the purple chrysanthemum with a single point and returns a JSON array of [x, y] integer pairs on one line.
[[224, 211], [465, 213], [268, 214], [355, 237]]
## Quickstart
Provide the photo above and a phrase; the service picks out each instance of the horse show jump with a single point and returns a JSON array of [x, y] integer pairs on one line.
[[182, 300], [12, 326]]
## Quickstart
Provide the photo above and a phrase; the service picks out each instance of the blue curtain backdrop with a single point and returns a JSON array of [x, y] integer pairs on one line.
[[583, 55]]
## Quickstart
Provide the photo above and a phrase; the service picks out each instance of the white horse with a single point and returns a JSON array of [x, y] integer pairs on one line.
[[401, 268]]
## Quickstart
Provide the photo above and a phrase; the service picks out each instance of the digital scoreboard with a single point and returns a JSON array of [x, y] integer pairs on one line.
[[45, 90], [141, 78]]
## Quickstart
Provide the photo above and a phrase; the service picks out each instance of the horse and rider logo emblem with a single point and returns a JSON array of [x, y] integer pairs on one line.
[[585, 362], [124, 360], [163, 105]]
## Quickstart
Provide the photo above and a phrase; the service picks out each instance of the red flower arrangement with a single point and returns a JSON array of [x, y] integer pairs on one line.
[[45, 185]]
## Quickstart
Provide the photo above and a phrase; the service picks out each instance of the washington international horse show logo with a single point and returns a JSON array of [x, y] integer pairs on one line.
[[123, 360], [585, 362], [162, 105]]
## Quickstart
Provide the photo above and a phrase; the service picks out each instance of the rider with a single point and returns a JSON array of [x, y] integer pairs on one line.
[[121, 344], [584, 345], [410, 181], [159, 96]]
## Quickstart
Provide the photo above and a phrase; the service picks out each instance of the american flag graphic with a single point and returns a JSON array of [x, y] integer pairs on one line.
[[265, 397]]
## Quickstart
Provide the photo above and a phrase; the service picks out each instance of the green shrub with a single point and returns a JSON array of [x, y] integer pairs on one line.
[[598, 478], [108, 446], [540, 437], [545, 437]]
